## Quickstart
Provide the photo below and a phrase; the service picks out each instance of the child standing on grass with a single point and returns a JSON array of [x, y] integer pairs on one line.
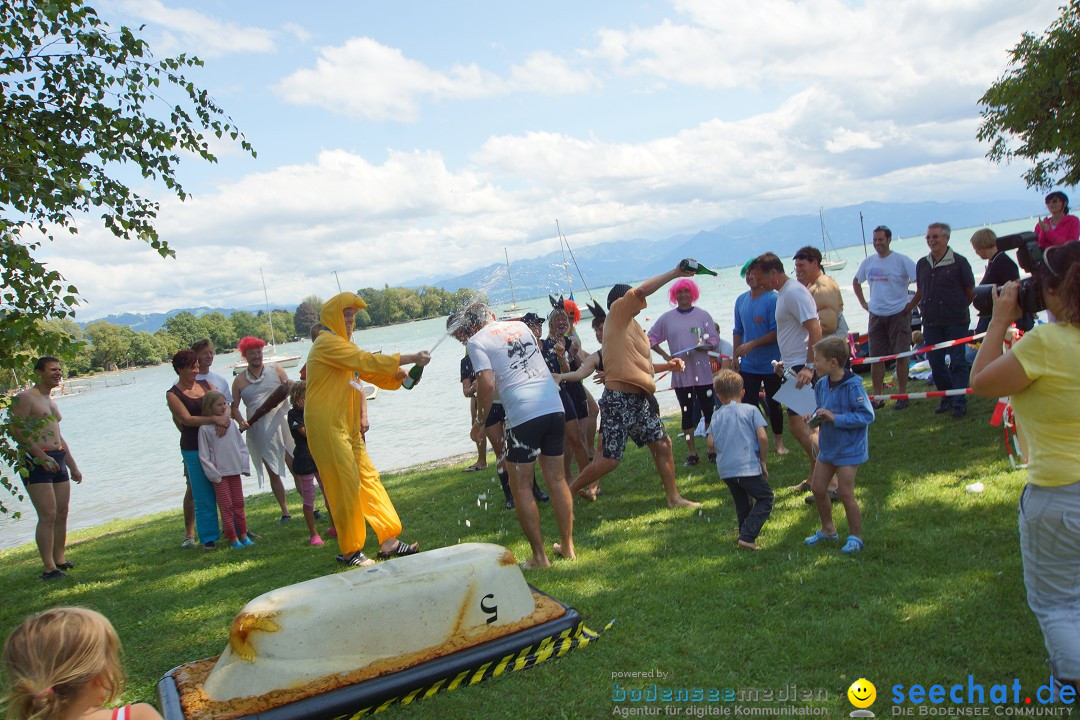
[[225, 459], [304, 469], [737, 436], [845, 414], [65, 663]]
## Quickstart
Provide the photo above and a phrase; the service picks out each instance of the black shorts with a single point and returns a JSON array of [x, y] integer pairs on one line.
[[797, 369], [495, 415], [540, 436], [38, 474], [575, 391]]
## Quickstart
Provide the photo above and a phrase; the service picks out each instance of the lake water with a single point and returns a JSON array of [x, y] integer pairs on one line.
[[128, 449]]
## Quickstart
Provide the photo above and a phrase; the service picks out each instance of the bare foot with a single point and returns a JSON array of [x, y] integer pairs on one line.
[[680, 501], [804, 486], [533, 563], [585, 493], [749, 545], [558, 551], [781, 450]]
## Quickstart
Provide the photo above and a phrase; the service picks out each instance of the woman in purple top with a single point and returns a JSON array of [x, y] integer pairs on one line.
[[690, 334]]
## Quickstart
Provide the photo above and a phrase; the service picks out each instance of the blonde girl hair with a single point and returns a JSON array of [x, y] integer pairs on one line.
[[209, 399], [51, 657]]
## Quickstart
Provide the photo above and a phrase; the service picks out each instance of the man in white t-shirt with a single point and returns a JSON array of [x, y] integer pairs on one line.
[[797, 330], [507, 361], [889, 274]]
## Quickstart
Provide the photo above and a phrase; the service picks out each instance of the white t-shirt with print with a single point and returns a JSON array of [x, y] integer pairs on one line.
[[522, 379]]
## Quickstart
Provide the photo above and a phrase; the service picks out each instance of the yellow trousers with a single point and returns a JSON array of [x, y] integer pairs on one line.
[[354, 491]]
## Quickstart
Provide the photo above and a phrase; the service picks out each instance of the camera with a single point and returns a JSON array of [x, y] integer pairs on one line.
[[1029, 256]]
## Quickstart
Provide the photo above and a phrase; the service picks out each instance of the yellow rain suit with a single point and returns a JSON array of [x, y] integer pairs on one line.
[[332, 418]]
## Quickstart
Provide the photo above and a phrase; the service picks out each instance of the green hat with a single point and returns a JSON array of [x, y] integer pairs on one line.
[[746, 267]]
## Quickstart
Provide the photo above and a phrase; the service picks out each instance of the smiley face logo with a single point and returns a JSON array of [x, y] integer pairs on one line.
[[862, 693]]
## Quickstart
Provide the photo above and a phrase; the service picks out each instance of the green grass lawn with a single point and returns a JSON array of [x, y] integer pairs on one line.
[[937, 594]]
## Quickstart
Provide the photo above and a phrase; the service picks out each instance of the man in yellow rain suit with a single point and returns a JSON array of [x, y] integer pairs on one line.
[[333, 422]]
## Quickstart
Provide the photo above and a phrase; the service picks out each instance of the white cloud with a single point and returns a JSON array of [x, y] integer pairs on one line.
[[185, 30], [364, 78]]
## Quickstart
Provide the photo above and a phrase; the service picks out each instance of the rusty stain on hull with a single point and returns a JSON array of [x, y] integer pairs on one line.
[[243, 626]]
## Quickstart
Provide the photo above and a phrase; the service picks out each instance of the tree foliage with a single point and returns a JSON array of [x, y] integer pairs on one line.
[[81, 105], [1033, 111]]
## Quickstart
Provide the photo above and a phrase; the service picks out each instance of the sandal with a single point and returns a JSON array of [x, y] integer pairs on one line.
[[474, 467], [400, 550], [691, 460], [65, 566], [357, 559], [819, 536], [852, 546]]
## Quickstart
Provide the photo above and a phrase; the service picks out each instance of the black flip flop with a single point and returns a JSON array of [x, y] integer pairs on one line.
[[400, 550]]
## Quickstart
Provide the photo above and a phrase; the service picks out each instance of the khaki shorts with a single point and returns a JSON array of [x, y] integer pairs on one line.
[[889, 333]]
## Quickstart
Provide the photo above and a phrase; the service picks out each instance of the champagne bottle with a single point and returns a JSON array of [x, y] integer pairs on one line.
[[412, 378], [695, 266]]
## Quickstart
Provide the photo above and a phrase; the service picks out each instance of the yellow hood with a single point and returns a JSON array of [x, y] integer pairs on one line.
[[332, 316]]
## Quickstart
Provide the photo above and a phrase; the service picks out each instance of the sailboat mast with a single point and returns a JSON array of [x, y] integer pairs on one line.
[[562, 247], [513, 300], [269, 313]]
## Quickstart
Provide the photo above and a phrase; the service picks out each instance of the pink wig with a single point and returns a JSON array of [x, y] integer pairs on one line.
[[684, 284], [248, 343]]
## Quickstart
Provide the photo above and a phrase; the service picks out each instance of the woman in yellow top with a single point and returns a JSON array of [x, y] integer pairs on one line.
[[1039, 373], [335, 426]]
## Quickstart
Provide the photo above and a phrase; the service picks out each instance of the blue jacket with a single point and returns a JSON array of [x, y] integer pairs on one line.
[[844, 441]]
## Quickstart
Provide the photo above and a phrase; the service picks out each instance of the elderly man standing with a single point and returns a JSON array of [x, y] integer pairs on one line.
[[263, 388], [889, 274], [335, 432], [797, 331], [946, 287]]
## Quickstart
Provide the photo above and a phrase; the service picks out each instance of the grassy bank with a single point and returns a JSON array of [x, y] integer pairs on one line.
[[937, 594]]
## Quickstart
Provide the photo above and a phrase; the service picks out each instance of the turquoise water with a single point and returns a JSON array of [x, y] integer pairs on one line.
[[128, 449]]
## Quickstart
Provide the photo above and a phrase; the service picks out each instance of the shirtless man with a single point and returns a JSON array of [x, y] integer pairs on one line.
[[830, 304], [263, 388], [48, 461]]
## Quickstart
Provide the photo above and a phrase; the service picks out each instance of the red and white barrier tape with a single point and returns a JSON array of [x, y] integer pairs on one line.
[[923, 396], [916, 351]]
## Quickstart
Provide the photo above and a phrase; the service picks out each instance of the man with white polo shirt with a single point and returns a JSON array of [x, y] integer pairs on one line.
[[797, 330], [889, 328], [507, 360]]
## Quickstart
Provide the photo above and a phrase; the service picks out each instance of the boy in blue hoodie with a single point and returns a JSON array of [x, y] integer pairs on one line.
[[845, 413]]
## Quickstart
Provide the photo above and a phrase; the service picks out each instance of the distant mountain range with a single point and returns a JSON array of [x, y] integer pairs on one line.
[[725, 245], [152, 322]]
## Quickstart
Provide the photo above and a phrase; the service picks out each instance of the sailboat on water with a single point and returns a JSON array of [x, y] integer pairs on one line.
[[829, 261], [285, 361]]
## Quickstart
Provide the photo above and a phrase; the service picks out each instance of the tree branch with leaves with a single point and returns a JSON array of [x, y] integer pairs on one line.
[[1033, 111], [81, 104]]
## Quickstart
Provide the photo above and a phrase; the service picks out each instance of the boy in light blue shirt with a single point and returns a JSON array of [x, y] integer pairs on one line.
[[737, 436]]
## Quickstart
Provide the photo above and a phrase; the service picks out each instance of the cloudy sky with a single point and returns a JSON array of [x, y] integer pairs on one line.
[[397, 140]]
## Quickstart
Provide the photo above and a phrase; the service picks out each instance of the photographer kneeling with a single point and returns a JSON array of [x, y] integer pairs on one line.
[[1039, 374]]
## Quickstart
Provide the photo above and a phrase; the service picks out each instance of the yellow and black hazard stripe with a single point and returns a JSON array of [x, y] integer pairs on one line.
[[552, 646]]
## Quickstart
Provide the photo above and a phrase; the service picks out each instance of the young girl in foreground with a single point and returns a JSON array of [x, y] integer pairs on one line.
[[64, 664], [303, 468], [224, 459]]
